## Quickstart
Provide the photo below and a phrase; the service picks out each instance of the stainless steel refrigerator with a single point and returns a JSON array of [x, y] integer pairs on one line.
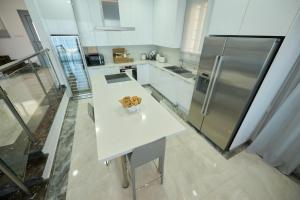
[[230, 72]]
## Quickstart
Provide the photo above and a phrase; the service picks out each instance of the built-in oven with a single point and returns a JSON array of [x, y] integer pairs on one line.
[[130, 70]]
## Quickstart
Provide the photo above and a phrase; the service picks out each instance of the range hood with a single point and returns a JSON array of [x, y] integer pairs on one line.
[[111, 17]]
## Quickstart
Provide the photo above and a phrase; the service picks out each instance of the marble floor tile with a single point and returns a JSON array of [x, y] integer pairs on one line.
[[58, 182], [229, 190], [193, 170]]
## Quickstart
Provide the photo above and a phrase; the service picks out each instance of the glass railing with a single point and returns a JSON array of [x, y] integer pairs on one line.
[[30, 94]]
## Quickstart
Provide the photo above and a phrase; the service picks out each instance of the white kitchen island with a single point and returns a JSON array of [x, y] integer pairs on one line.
[[118, 132]]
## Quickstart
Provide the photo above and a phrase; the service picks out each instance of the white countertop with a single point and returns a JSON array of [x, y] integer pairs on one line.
[[118, 132], [152, 62]]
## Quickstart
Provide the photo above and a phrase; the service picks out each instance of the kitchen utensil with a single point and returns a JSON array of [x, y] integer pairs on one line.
[[143, 56]]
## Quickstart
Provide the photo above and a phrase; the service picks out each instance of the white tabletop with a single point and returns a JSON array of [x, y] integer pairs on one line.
[[118, 132]]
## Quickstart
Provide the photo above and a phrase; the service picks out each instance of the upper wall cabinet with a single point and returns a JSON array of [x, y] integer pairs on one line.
[[227, 16], [269, 17], [252, 17], [131, 13], [168, 19], [137, 14], [88, 15]]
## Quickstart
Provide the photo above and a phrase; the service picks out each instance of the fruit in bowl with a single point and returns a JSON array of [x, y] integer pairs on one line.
[[131, 103]]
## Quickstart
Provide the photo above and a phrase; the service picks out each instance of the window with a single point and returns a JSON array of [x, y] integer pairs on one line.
[[193, 28], [3, 32]]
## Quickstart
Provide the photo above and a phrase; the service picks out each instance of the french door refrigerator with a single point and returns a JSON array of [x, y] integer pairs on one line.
[[230, 72]]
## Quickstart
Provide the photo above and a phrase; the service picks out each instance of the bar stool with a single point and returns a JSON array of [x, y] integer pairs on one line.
[[145, 154], [91, 111]]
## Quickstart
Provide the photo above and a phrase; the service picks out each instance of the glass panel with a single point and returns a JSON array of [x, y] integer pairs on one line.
[[46, 74], [3, 31], [36, 109], [14, 143], [25, 92], [70, 57]]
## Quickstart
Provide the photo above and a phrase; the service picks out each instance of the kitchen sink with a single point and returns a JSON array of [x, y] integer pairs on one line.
[[181, 71], [114, 78]]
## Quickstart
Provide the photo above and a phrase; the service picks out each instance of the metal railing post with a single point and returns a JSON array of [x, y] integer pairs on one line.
[[51, 64], [3, 95], [8, 172], [38, 77]]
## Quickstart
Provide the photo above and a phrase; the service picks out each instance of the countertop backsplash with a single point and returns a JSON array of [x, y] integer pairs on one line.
[[173, 55], [134, 51]]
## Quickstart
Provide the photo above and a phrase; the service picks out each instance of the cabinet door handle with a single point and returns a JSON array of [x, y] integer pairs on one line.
[[211, 80]]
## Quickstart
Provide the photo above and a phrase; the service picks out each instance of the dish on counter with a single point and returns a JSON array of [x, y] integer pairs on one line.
[[131, 103]]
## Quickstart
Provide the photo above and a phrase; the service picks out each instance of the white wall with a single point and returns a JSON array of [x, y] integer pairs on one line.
[[58, 17], [18, 45], [172, 54], [284, 61], [44, 33]]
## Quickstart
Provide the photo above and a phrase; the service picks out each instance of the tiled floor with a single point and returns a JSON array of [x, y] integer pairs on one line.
[[193, 170], [59, 178]]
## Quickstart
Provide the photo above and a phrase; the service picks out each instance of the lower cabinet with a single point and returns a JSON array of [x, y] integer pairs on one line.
[[175, 89], [184, 94], [168, 85], [154, 77], [143, 74]]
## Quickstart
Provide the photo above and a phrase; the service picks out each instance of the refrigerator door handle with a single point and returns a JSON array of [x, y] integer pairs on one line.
[[217, 58], [218, 69]]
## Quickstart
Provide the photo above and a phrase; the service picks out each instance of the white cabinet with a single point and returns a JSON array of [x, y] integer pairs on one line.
[[167, 85], [174, 88], [162, 81], [168, 19], [133, 13], [143, 72], [89, 15], [137, 14], [184, 94], [154, 76], [227, 17], [252, 17], [269, 17]]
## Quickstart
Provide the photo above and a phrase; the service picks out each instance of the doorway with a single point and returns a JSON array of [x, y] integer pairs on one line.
[[32, 34]]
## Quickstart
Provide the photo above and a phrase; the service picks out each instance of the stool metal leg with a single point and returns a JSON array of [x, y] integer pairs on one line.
[[161, 168], [133, 183], [125, 182]]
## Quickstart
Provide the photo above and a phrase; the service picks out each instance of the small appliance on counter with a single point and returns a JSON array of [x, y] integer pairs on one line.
[[93, 59], [120, 55], [143, 56], [162, 59]]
